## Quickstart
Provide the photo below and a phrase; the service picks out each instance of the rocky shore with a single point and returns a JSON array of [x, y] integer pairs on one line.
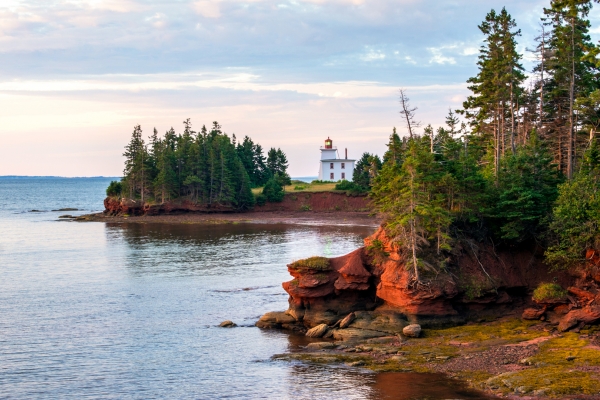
[[318, 209], [292, 202], [479, 320]]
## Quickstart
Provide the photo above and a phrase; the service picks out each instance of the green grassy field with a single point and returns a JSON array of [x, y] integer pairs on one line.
[[298, 186]]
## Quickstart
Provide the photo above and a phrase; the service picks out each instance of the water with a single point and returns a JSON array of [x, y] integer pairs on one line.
[[94, 310]]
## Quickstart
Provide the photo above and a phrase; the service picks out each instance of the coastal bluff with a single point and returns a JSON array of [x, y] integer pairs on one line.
[[480, 282], [292, 202]]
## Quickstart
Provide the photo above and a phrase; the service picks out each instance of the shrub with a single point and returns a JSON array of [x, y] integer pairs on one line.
[[312, 263], [273, 191], [299, 187], [350, 187], [261, 199], [549, 291], [377, 250], [305, 207], [114, 189]]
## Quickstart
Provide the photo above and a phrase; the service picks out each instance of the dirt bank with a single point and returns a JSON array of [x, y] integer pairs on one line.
[[292, 202]]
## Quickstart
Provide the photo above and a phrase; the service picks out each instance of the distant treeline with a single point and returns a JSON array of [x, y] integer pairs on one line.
[[207, 167]]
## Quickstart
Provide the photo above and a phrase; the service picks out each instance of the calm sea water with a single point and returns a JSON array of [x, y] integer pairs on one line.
[[94, 310]]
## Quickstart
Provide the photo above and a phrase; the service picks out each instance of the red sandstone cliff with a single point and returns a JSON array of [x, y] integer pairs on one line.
[[479, 281], [301, 201]]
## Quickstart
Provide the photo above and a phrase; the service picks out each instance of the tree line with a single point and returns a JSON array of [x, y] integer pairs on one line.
[[206, 167], [522, 166]]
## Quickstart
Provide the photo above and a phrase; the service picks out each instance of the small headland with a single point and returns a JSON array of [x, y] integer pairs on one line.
[[495, 317], [313, 208]]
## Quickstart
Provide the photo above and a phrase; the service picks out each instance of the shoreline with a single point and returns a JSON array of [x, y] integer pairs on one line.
[[507, 358], [309, 218]]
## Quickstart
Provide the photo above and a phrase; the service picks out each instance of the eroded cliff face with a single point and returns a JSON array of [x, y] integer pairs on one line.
[[479, 281], [300, 201], [114, 206]]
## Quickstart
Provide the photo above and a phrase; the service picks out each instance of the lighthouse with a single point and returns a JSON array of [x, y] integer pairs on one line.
[[332, 167]]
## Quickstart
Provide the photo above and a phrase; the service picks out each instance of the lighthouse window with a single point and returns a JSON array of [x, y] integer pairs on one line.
[[331, 166], [343, 165], [331, 176]]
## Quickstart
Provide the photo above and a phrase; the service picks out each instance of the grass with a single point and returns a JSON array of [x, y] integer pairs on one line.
[[556, 370], [549, 291], [312, 263], [306, 187]]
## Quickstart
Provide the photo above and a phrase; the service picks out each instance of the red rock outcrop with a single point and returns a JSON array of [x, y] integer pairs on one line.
[[480, 280], [301, 201]]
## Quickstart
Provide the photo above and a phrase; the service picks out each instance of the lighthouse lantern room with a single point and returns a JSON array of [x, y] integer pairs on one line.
[[333, 168]]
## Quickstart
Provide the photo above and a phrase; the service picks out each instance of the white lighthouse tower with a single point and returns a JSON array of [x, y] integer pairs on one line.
[[332, 167]]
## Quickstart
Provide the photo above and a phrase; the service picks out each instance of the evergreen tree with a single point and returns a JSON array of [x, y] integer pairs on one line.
[[413, 206], [576, 215], [497, 87], [526, 191], [571, 75], [135, 174], [365, 170]]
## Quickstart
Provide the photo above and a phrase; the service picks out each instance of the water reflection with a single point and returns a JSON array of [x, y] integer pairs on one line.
[[353, 383], [180, 249], [413, 386]]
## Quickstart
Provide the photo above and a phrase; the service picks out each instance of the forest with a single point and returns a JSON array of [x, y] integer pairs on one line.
[[518, 163], [523, 165], [206, 167]]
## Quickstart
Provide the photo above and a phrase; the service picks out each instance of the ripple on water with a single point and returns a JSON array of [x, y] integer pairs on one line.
[[91, 310]]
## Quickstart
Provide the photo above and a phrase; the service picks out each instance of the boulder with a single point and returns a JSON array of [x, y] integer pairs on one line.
[[587, 315], [227, 324], [318, 331], [413, 331], [348, 319], [276, 320], [533, 313]]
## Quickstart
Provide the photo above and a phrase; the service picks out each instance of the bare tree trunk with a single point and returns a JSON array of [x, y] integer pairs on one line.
[[413, 233], [512, 122], [142, 174], [542, 77], [408, 112], [497, 150]]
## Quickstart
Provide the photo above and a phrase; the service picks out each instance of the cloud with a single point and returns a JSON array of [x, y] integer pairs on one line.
[[317, 66], [237, 81], [207, 8]]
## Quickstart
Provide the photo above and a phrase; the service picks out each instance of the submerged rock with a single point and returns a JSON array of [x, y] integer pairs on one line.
[[227, 324]]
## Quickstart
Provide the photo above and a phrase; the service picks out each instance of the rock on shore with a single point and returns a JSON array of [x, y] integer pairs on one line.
[[369, 293]]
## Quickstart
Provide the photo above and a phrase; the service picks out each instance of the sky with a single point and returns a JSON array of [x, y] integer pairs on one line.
[[77, 75]]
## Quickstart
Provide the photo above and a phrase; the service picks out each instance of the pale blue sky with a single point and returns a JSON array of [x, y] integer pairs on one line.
[[75, 76]]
